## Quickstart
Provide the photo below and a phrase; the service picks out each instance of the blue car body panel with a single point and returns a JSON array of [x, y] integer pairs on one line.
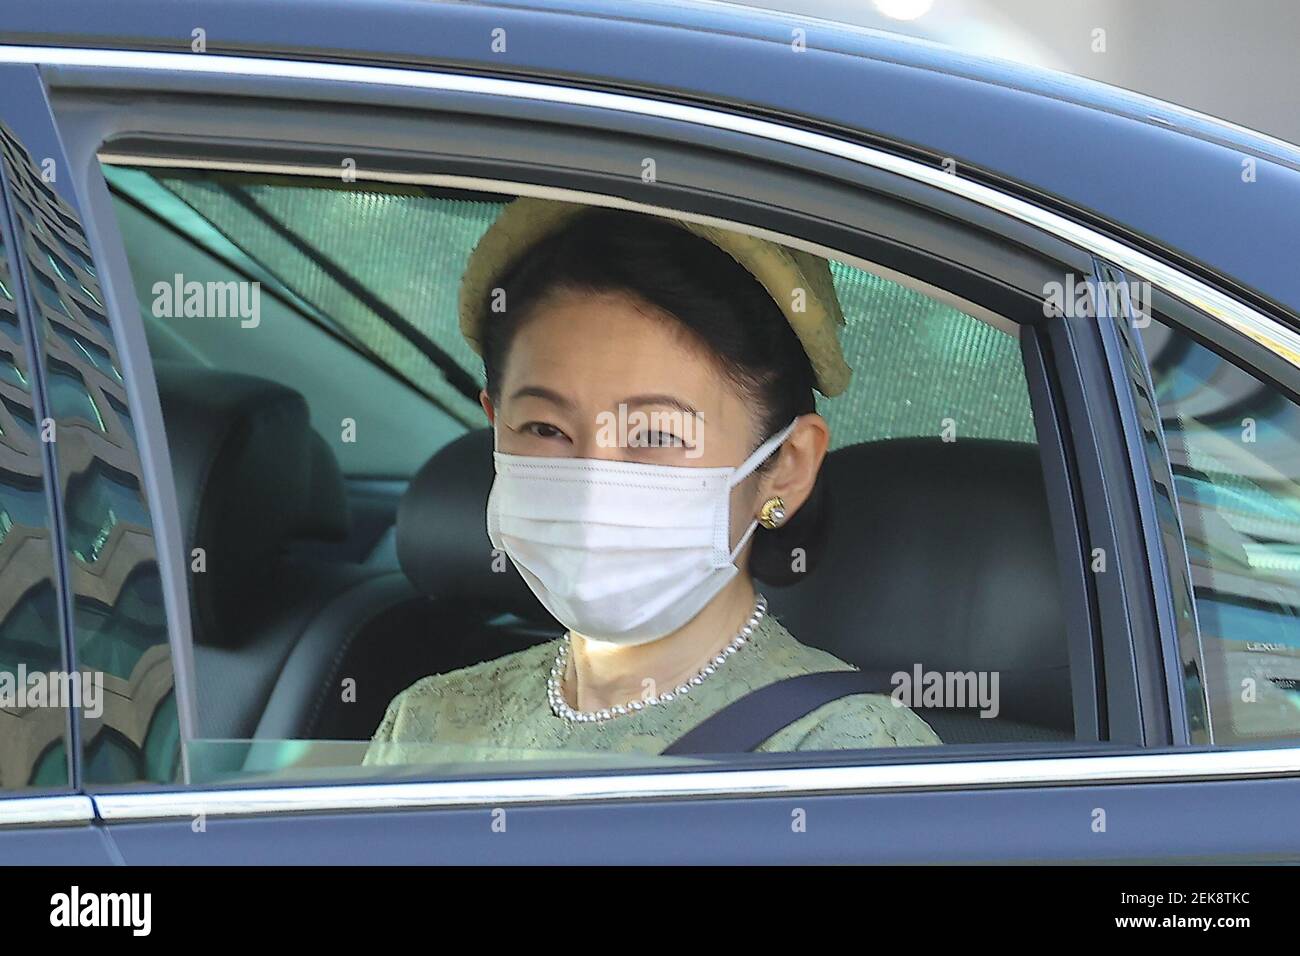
[[1222, 822]]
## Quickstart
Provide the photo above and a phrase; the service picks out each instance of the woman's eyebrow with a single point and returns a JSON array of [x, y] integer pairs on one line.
[[667, 400], [545, 394]]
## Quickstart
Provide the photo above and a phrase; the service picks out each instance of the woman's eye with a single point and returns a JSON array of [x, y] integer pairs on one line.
[[658, 440], [541, 430]]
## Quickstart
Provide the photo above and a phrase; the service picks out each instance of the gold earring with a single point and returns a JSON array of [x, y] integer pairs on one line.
[[772, 514]]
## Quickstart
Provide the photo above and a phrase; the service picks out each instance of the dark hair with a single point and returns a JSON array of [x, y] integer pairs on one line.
[[713, 298]]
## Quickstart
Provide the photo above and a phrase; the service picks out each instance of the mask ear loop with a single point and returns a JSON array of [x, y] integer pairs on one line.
[[493, 519], [743, 471], [760, 455]]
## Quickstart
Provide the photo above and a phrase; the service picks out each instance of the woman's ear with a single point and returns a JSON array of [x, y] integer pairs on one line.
[[488, 408], [798, 461]]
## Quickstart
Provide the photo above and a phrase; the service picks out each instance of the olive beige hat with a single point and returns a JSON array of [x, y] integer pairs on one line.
[[815, 316]]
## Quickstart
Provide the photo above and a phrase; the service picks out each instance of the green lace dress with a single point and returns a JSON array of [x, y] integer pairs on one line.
[[499, 710]]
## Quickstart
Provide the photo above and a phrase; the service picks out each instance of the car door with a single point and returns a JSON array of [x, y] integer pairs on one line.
[[1124, 790]]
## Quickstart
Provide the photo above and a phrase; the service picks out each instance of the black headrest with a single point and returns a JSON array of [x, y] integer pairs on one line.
[[940, 554], [251, 475], [442, 540]]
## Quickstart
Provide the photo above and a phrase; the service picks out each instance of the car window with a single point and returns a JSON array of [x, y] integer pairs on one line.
[[33, 723], [1234, 447], [317, 596], [128, 725]]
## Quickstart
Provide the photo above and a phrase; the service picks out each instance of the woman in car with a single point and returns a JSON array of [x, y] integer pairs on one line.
[[649, 383]]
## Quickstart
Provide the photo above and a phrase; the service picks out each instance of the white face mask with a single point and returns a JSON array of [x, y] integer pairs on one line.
[[619, 551]]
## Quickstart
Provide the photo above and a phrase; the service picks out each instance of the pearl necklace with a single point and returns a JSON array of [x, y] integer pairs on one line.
[[561, 708]]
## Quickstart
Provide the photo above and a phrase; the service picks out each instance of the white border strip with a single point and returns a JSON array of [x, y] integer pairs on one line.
[[1278, 338]]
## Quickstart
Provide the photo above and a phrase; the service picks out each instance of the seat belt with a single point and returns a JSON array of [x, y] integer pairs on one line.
[[749, 720]]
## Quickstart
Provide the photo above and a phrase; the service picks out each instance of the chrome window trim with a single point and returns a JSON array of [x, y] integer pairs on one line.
[[491, 793], [53, 811], [1278, 338], [1071, 771]]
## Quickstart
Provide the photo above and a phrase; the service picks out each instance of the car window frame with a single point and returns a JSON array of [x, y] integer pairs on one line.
[[920, 180], [1157, 516]]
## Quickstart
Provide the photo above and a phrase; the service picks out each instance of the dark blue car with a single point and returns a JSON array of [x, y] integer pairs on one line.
[[243, 465]]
